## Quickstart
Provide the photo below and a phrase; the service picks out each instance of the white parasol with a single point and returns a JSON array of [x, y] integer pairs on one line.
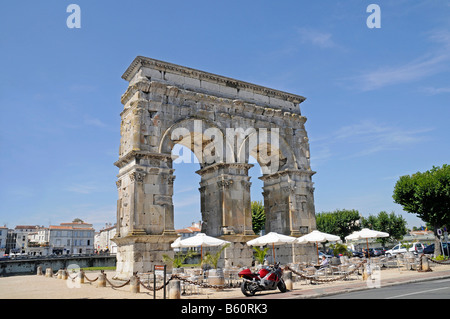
[[201, 239], [366, 233], [271, 238], [317, 237]]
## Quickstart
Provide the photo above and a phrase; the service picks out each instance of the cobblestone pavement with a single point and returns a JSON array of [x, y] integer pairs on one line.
[[40, 287]]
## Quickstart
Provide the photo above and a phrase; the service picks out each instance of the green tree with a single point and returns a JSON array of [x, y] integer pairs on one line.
[[393, 224], [427, 195], [258, 216], [340, 222]]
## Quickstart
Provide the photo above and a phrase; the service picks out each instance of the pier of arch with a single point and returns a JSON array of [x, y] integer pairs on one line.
[[222, 121]]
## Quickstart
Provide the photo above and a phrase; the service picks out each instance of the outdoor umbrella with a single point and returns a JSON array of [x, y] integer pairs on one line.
[[317, 237], [366, 233], [176, 243], [201, 239], [271, 238]]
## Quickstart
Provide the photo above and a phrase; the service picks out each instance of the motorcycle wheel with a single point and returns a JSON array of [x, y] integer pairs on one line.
[[245, 288], [282, 286]]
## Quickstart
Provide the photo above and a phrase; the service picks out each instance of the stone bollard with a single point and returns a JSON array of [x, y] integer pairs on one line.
[[39, 271], [367, 272], [80, 277], [288, 280], [101, 282], [59, 274], [134, 284], [48, 272], [425, 264], [174, 289]]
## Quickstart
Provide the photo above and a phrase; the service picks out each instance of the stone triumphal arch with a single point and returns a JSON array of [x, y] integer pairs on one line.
[[222, 121]]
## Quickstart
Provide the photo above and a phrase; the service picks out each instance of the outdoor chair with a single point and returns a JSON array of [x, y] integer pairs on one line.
[[343, 270], [344, 260], [324, 271], [388, 262], [311, 272], [376, 261], [400, 262]]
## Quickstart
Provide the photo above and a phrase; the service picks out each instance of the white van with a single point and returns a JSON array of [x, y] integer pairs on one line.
[[416, 249]]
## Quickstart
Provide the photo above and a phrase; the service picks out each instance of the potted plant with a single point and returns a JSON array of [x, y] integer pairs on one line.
[[260, 254], [215, 275], [178, 260]]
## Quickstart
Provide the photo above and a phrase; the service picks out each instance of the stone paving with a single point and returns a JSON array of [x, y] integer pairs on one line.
[[40, 287]]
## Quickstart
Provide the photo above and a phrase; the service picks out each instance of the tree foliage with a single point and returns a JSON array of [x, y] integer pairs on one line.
[[427, 195], [258, 216], [340, 222]]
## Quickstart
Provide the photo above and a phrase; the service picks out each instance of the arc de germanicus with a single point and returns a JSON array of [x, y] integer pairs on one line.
[[222, 121]]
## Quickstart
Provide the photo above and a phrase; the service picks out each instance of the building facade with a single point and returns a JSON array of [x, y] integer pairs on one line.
[[103, 242]]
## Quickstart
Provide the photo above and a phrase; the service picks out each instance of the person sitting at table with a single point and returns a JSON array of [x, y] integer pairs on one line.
[[324, 263]]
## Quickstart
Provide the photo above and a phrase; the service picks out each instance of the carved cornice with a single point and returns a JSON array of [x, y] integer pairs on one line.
[[286, 172], [241, 107], [124, 160], [162, 66], [217, 166]]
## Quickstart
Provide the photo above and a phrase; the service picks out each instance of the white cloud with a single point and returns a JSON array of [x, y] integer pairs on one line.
[[366, 138], [434, 91], [434, 62], [315, 37], [93, 122], [87, 188]]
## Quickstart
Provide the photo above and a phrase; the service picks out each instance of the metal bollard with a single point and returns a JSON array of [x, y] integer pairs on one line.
[[288, 280], [39, 271], [134, 284], [101, 282], [174, 289], [48, 272]]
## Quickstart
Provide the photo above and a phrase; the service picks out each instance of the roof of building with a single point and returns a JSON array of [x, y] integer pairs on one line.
[[188, 230], [68, 227], [26, 227]]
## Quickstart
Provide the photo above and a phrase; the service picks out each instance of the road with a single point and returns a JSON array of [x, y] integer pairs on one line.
[[433, 289]]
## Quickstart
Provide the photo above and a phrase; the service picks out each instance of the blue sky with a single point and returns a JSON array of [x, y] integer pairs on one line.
[[377, 99]]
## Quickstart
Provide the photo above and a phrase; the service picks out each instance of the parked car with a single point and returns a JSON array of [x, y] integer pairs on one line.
[[356, 253], [322, 254], [417, 248], [377, 252], [430, 249]]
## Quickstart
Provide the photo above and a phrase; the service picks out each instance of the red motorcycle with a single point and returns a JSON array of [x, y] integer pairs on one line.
[[268, 278]]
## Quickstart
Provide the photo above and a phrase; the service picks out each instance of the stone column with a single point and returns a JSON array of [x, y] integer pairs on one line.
[[289, 207], [289, 202], [145, 225], [226, 209], [225, 199]]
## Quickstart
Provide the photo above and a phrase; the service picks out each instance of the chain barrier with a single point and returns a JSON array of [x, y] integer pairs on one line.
[[90, 280], [203, 285], [313, 278], [441, 262], [157, 288]]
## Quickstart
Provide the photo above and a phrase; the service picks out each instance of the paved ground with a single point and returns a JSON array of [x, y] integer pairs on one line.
[[40, 287]]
